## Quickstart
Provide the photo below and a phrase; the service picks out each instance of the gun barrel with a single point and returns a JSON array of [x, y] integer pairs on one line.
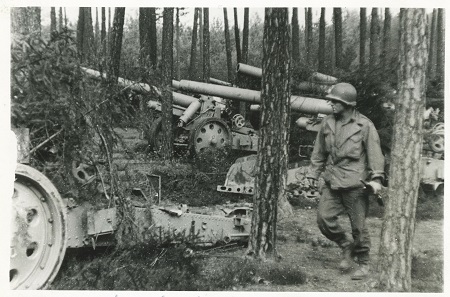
[[298, 103]]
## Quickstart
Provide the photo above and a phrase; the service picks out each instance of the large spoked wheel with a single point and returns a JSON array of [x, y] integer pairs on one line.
[[38, 230], [209, 133]]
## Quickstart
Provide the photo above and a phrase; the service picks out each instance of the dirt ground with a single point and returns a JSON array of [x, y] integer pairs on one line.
[[320, 258]]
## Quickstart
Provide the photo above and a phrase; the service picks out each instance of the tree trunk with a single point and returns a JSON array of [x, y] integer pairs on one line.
[[374, 58], [321, 54], [245, 30], [177, 38], [337, 16], [193, 61], [206, 56], [80, 33], [228, 46], [309, 37], [440, 54], [97, 32], [399, 219], [362, 39], [200, 32], [386, 40], [153, 38], [52, 19], [65, 18], [144, 39], [116, 43], [26, 20], [85, 35], [60, 20], [103, 40], [237, 37], [167, 74], [272, 158], [432, 47], [295, 37]]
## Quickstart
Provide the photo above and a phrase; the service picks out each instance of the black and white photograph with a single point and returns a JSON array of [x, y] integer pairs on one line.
[[223, 148]]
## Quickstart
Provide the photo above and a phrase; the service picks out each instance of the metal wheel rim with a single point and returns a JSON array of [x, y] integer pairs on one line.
[[38, 230], [211, 133]]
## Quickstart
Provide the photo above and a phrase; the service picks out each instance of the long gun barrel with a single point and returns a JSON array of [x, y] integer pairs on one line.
[[298, 103]]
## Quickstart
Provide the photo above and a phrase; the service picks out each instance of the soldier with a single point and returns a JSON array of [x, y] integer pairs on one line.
[[347, 150]]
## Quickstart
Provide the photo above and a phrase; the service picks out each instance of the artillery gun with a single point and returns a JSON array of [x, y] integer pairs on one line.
[[44, 224]]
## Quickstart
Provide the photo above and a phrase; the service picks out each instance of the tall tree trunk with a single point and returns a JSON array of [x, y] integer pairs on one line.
[[337, 16], [374, 58], [52, 19], [237, 37], [200, 32], [206, 56], [144, 39], [65, 18], [193, 61], [309, 36], [116, 43], [386, 39], [228, 46], [295, 37], [103, 40], [362, 38], [26, 20], [97, 32], [167, 74], [398, 225], [432, 48], [440, 54], [321, 54], [245, 31], [80, 33], [153, 39], [177, 38], [85, 35], [60, 20], [272, 158]]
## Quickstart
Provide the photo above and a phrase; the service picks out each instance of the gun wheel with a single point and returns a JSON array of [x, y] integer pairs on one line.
[[210, 133], [38, 230]]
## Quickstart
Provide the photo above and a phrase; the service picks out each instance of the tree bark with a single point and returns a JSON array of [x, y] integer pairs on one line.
[[432, 47], [386, 39], [337, 16], [321, 54], [144, 39], [177, 38], [85, 35], [228, 46], [374, 40], [237, 37], [60, 19], [116, 43], [52, 19], [193, 61], [272, 158], [399, 219], [362, 38], [295, 37], [206, 56], [309, 36], [167, 74], [65, 18], [200, 56], [26, 20], [245, 30], [440, 54], [153, 39], [103, 40], [97, 32]]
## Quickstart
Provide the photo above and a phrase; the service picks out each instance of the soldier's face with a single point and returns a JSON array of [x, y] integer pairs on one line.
[[337, 107]]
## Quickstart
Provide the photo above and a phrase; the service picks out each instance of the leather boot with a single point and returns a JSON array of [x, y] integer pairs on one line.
[[362, 272], [346, 262]]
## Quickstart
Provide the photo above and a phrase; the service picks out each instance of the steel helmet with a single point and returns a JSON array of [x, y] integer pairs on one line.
[[342, 92]]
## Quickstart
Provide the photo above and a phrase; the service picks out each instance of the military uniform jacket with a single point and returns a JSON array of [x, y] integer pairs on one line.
[[351, 154]]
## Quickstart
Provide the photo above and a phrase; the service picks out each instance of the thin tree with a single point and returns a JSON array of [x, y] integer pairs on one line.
[[228, 46], [60, 19], [432, 47], [272, 158], [308, 35], [97, 32], [193, 61], [65, 18], [144, 39], [295, 37], [362, 38], [153, 38], [177, 38], [386, 39], [35, 18], [245, 31], [337, 18], [321, 54], [103, 40], [440, 54], [397, 231], [206, 46], [52, 19], [115, 48], [167, 74], [374, 57], [200, 32], [237, 37]]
